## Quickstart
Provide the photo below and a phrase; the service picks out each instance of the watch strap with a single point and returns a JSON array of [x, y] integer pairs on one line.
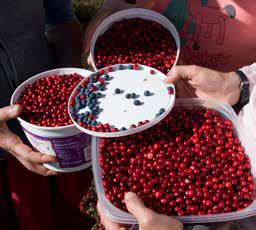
[[245, 90]]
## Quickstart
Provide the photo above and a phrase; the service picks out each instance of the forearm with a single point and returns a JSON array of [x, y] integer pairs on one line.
[[66, 41]]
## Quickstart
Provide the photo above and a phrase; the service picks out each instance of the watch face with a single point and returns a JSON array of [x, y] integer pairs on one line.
[[245, 95]]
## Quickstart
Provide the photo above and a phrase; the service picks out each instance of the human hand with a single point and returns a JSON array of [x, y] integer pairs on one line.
[[12, 143], [192, 81], [148, 219]]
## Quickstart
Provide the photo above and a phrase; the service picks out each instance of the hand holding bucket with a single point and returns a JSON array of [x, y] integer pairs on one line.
[[10, 142]]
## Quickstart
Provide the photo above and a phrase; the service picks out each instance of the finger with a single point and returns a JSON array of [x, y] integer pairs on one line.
[[106, 222], [89, 60], [190, 89], [10, 112], [181, 92], [182, 72], [25, 152], [136, 206], [38, 168]]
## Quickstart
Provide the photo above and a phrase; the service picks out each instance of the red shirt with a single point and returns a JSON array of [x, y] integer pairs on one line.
[[218, 34]]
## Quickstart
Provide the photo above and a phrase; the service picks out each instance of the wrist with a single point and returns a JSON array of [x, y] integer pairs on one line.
[[231, 87], [245, 91]]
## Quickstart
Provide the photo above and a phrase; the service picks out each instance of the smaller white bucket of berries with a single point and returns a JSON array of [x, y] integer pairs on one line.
[[135, 36], [46, 122]]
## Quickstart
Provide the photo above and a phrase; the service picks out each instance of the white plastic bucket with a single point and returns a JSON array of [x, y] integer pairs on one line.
[[134, 13], [71, 147]]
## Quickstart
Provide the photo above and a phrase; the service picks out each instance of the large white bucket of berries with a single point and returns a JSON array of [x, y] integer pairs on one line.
[[61, 138], [155, 40]]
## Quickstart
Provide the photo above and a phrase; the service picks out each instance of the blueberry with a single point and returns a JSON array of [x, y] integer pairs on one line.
[[85, 119], [77, 107], [83, 103], [106, 77], [137, 102], [98, 95], [94, 122], [95, 113], [80, 115], [117, 91], [92, 80], [97, 86], [92, 95], [133, 95], [128, 95], [102, 88], [95, 108], [91, 106], [88, 122], [123, 129], [86, 114], [130, 66], [93, 101], [84, 91], [79, 120], [89, 85], [161, 111], [147, 93], [120, 67], [157, 115], [72, 110]]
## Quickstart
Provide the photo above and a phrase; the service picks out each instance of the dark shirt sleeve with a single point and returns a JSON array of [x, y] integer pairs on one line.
[[57, 11]]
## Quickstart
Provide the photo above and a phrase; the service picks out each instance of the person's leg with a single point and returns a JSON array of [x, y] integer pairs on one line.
[[68, 195], [7, 214], [31, 198], [248, 223]]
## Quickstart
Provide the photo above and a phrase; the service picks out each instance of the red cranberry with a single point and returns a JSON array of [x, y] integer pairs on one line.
[[136, 41], [189, 172], [45, 101]]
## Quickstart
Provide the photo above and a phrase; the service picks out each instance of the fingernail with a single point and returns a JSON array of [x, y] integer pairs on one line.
[[52, 173], [14, 109], [49, 158], [129, 196]]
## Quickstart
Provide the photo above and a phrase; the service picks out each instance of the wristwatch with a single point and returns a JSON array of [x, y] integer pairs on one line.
[[245, 90]]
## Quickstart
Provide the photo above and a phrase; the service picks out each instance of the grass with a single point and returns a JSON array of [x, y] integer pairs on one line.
[[86, 9]]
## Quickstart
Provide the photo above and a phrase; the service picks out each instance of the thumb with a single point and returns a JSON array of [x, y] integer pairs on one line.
[[182, 72], [10, 112], [136, 206]]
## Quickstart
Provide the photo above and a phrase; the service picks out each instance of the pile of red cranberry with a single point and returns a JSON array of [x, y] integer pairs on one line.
[[136, 41], [189, 164], [45, 101]]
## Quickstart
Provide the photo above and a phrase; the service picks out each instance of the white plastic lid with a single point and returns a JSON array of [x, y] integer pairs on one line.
[[153, 101]]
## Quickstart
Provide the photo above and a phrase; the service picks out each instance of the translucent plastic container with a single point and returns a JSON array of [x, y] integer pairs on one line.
[[224, 110], [134, 13]]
